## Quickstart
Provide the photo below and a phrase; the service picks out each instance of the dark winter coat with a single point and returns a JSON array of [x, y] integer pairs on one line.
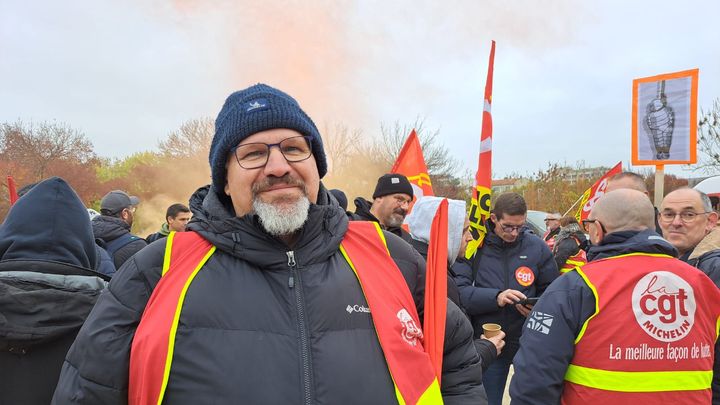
[[496, 263], [568, 243], [706, 256], [47, 288], [539, 374], [162, 233], [256, 329], [107, 229], [362, 213]]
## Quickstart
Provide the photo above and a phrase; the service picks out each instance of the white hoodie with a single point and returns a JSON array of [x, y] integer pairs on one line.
[[420, 221]]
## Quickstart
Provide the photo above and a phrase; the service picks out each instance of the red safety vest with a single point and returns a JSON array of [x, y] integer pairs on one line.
[[579, 259], [549, 242], [652, 337], [391, 306]]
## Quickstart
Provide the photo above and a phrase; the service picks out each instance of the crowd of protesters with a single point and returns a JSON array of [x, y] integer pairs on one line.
[[265, 288]]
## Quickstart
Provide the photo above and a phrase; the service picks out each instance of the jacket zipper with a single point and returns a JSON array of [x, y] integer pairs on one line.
[[506, 311], [302, 325]]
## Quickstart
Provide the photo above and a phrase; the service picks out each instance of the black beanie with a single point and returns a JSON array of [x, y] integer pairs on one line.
[[391, 184], [255, 109]]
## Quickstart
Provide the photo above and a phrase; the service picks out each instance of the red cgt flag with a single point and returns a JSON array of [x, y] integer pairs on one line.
[[594, 192], [12, 189], [436, 288], [411, 164], [480, 204]]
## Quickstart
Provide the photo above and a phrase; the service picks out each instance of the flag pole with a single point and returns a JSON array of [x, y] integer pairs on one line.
[[574, 204]]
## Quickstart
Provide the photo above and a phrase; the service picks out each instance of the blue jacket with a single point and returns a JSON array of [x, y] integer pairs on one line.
[[496, 263], [539, 374]]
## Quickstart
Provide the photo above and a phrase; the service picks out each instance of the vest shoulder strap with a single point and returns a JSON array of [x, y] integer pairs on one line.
[[152, 347], [393, 313]]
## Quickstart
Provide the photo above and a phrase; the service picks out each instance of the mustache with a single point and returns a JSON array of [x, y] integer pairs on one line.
[[400, 211], [271, 181]]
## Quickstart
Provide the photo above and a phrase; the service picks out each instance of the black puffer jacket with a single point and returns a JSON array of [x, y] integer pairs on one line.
[[47, 289], [362, 213], [255, 330], [108, 229], [497, 263]]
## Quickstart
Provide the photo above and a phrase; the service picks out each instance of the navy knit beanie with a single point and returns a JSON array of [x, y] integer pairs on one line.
[[255, 109]]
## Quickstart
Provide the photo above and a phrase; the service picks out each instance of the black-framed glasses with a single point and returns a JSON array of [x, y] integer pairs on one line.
[[255, 155], [585, 223], [511, 228], [550, 219], [685, 216]]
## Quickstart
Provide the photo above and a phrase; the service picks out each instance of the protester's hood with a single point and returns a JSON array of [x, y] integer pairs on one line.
[[49, 223], [420, 221]]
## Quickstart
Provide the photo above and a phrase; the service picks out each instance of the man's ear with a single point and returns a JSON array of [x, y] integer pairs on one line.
[[712, 221], [493, 218], [227, 189]]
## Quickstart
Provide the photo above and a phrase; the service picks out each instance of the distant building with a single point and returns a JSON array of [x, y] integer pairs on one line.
[[573, 175], [503, 185]]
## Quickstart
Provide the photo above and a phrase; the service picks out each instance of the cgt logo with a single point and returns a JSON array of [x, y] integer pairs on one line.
[[524, 276], [664, 306]]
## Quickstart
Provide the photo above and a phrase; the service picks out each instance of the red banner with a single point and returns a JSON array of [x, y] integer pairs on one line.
[[594, 192], [411, 164], [436, 288], [480, 204]]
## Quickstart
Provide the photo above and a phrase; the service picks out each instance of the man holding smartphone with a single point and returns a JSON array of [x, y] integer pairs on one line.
[[512, 265]]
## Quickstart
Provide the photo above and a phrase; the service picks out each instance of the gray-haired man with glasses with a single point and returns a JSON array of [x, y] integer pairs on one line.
[[267, 305], [688, 222]]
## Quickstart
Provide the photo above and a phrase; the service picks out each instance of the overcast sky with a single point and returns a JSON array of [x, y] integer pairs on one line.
[[127, 73]]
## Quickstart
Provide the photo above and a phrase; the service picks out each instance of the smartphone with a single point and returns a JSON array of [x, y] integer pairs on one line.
[[528, 301]]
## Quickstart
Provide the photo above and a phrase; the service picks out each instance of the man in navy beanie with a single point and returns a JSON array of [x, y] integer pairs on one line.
[[258, 302], [391, 201]]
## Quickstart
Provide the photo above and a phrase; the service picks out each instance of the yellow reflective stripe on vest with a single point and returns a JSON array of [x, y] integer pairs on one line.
[[639, 381], [597, 306], [178, 309]]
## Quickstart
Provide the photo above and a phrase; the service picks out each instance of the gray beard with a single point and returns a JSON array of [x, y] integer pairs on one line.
[[282, 220]]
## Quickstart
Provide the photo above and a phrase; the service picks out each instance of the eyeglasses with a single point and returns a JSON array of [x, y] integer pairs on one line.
[[550, 219], [585, 223], [256, 155], [511, 228], [685, 216]]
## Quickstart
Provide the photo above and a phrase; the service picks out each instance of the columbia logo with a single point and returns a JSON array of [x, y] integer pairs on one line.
[[540, 322], [357, 308], [523, 257], [255, 104]]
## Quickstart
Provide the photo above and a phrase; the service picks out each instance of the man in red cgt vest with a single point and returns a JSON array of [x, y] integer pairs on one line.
[[272, 296], [634, 325]]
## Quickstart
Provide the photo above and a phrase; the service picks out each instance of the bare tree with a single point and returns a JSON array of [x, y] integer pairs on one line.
[[438, 159], [192, 139], [709, 139], [340, 144], [37, 146]]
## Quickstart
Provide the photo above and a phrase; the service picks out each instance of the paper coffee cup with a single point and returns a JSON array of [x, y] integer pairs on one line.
[[491, 329]]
